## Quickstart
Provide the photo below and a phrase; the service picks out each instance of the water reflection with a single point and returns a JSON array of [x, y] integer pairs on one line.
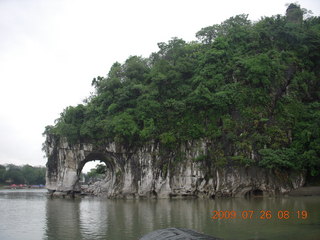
[[30, 215], [92, 218], [62, 219], [22, 214]]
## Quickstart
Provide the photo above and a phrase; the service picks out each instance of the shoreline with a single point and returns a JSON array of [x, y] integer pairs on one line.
[[9, 187], [306, 191]]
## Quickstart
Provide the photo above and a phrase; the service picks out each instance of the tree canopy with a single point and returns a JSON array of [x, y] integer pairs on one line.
[[252, 89], [25, 174]]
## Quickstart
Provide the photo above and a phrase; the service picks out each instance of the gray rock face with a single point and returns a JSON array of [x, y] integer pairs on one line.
[[148, 172]]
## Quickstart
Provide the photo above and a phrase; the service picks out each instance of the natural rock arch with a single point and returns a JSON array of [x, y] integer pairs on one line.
[[66, 161], [93, 156], [96, 156], [147, 172]]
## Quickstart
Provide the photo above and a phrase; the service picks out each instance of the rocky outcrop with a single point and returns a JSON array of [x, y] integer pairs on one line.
[[150, 171]]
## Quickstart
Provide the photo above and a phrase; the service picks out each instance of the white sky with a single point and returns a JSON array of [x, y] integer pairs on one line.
[[51, 50]]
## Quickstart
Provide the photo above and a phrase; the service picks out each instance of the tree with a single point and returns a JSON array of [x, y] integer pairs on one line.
[[208, 34], [98, 172], [2, 173], [33, 175], [14, 174]]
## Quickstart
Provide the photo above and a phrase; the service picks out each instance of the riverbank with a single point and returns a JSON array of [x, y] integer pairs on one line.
[[306, 191], [22, 186]]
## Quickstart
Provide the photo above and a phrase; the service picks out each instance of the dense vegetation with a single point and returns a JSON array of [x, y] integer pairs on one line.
[[250, 89], [12, 174]]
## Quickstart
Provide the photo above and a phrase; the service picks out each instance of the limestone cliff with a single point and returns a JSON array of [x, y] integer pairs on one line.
[[150, 172]]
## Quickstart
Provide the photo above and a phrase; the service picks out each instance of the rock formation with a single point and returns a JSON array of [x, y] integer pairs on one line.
[[149, 171]]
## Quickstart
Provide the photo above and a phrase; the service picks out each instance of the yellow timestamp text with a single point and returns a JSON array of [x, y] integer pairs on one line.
[[259, 214]]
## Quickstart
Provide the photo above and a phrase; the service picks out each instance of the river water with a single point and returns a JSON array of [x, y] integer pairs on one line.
[[30, 214]]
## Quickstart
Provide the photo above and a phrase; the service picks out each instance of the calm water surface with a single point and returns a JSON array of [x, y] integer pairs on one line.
[[29, 214]]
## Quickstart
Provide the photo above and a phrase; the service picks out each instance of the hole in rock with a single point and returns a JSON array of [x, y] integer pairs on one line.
[[254, 193], [94, 168], [91, 174], [93, 171]]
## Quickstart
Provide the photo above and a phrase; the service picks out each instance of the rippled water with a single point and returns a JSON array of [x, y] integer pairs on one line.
[[29, 214]]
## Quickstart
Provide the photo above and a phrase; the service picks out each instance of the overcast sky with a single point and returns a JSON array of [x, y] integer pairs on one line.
[[51, 50]]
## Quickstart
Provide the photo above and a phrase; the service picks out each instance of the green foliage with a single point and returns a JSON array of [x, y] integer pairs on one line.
[[22, 174], [201, 158], [101, 168], [34, 175], [251, 89], [280, 158], [123, 127], [244, 161], [14, 175], [167, 138], [2, 173], [97, 172]]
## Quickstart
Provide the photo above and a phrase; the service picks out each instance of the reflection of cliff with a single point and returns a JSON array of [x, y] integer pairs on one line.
[[92, 218], [111, 219], [150, 172], [114, 219], [62, 219], [95, 220]]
